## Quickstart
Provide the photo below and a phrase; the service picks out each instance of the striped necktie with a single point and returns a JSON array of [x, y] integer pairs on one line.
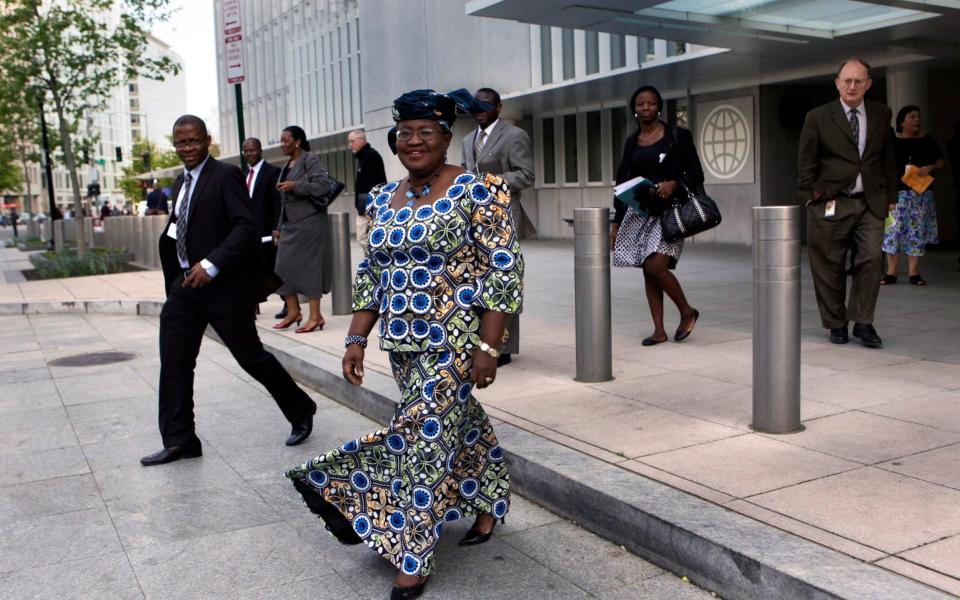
[[182, 218], [478, 143]]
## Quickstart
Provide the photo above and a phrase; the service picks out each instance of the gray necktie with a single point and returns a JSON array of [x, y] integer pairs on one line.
[[182, 218], [478, 144], [855, 127]]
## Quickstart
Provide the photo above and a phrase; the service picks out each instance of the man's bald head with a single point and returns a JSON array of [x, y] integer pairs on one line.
[[356, 140], [252, 151]]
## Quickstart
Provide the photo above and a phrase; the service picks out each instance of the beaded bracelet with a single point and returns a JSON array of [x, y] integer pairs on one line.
[[355, 339]]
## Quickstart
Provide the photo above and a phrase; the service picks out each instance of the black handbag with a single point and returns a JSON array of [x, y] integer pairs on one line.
[[693, 213], [322, 202]]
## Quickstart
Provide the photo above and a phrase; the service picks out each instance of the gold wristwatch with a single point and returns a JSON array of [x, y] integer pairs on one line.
[[489, 350]]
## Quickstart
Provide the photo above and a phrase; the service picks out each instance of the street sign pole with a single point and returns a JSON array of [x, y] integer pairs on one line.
[[233, 51], [240, 133]]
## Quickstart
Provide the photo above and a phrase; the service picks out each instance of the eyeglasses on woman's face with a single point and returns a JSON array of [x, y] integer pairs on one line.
[[426, 134]]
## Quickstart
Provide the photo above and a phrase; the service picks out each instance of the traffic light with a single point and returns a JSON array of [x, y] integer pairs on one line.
[[146, 160], [119, 152], [93, 189]]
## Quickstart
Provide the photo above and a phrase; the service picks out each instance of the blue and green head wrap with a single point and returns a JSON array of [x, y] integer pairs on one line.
[[433, 105]]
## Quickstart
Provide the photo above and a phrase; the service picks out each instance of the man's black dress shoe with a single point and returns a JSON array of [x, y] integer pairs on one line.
[[168, 455], [867, 334], [282, 314], [301, 430], [838, 335], [504, 359]]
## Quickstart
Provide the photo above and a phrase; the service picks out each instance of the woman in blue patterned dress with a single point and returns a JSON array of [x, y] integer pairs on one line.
[[441, 273], [912, 223]]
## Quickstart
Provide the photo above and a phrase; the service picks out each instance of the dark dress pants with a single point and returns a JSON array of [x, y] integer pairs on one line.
[[854, 229], [183, 320]]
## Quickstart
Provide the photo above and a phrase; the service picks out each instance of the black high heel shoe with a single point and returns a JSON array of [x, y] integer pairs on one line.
[[409, 593], [475, 537], [335, 522]]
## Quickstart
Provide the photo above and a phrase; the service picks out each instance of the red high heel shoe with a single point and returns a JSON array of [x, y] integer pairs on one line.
[[286, 324], [308, 328]]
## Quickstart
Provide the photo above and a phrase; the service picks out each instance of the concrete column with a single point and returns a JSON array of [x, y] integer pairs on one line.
[[157, 223], [909, 86], [137, 241]]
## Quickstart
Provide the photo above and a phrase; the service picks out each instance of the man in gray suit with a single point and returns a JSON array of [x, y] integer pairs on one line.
[[502, 149], [847, 181]]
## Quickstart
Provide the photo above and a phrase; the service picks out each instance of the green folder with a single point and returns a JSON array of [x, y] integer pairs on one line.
[[626, 192]]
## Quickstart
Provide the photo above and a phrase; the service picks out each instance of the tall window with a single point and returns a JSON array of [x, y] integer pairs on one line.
[[618, 51], [569, 69], [570, 172], [594, 147], [646, 50], [621, 124], [592, 39], [546, 54], [549, 152]]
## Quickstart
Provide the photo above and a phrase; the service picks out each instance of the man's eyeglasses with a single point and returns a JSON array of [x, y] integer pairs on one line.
[[853, 82], [426, 134], [183, 144]]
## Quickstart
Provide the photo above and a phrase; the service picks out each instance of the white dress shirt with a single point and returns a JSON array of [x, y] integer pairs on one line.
[[208, 266], [486, 133], [255, 169], [862, 142]]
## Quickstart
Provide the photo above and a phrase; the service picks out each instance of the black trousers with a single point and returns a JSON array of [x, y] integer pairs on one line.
[[183, 321]]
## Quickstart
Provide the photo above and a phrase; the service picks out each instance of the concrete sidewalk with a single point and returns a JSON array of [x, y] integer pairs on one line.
[[874, 476], [80, 519]]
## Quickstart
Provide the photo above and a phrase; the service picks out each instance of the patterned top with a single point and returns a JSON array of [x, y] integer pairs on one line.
[[431, 270]]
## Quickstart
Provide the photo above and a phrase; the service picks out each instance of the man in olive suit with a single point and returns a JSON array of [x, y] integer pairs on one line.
[[847, 181]]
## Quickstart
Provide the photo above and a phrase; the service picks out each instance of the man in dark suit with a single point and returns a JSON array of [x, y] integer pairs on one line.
[[847, 181], [265, 199], [500, 148], [370, 172], [156, 202], [209, 239]]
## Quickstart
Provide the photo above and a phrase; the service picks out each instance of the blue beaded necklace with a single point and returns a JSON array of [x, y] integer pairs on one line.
[[413, 195]]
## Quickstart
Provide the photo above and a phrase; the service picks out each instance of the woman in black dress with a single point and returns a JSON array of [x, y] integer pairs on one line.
[[663, 154]]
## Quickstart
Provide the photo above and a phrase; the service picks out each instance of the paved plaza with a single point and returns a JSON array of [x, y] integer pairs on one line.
[[81, 519], [873, 475]]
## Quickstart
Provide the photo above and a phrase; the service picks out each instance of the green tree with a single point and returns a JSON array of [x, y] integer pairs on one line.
[[159, 159], [74, 53], [19, 139]]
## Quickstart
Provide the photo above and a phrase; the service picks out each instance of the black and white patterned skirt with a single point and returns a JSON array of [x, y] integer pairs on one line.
[[639, 237]]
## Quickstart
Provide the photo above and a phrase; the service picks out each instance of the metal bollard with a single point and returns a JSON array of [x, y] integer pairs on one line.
[[342, 292], [59, 239], [591, 282], [776, 319]]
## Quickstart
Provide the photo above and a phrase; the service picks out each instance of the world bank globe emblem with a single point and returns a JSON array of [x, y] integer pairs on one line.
[[725, 141]]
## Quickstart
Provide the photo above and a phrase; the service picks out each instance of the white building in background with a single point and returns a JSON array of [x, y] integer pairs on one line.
[[137, 110], [740, 77]]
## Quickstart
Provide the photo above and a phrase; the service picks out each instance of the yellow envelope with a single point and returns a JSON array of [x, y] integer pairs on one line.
[[917, 182]]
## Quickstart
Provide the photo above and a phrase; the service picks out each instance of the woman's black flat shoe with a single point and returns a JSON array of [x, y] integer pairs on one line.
[[409, 593], [652, 341], [681, 335], [917, 280], [475, 537], [888, 280]]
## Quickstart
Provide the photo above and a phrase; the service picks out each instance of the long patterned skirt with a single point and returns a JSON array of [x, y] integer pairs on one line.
[[911, 225], [437, 461]]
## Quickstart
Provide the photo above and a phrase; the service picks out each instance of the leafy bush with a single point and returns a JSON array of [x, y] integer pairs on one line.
[[98, 261]]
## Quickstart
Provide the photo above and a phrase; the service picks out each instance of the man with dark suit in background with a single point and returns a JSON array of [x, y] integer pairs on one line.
[[265, 199], [370, 172], [210, 238], [502, 149], [848, 182]]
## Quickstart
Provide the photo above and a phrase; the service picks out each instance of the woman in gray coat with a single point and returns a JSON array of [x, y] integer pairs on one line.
[[304, 251]]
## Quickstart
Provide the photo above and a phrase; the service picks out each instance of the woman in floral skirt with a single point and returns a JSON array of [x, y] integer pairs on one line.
[[441, 273], [912, 223]]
